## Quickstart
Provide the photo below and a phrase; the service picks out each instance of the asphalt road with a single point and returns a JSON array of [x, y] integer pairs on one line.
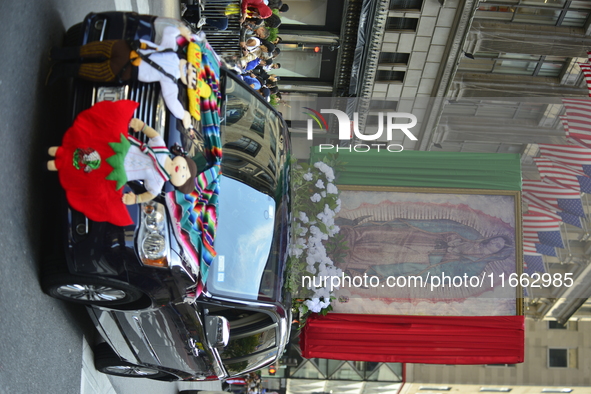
[[42, 338]]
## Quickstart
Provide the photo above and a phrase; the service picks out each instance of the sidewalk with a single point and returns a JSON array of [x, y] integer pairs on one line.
[[94, 382]]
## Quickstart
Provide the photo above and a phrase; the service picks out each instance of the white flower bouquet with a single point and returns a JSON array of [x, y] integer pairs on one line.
[[316, 202]]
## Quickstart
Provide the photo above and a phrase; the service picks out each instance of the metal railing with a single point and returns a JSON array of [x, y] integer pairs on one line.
[[224, 42]]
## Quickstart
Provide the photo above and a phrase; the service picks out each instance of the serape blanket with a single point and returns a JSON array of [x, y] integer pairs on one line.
[[196, 212]]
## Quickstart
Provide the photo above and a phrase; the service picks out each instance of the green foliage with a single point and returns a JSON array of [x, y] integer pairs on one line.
[[332, 159], [273, 33], [241, 347], [274, 100], [336, 248]]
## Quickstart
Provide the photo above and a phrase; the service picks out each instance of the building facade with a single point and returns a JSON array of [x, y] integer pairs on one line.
[[556, 358], [480, 76]]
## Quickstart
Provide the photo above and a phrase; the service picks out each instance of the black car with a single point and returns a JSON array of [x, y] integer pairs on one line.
[[146, 312]]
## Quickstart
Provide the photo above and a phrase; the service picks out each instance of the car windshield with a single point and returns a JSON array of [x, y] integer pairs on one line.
[[251, 237], [253, 146], [243, 241]]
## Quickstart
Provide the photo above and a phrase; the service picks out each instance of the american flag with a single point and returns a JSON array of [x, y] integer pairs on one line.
[[530, 247], [575, 139], [561, 175], [542, 227], [533, 263], [578, 116], [577, 121], [546, 250], [533, 209], [571, 219], [533, 200], [561, 216], [581, 140], [564, 121], [550, 238], [566, 200], [570, 155], [586, 69]]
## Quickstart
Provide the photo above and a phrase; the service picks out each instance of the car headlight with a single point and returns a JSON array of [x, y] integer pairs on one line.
[[152, 239]]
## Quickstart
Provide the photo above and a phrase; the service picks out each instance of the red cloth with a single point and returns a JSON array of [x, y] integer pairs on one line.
[[89, 192], [415, 339], [259, 5]]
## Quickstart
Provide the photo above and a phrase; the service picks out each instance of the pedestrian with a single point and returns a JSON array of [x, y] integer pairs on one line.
[[261, 10]]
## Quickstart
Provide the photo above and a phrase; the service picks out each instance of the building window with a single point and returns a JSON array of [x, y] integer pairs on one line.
[[389, 76], [539, 12], [272, 166], [406, 4], [305, 13], [558, 358], [382, 105], [490, 108], [515, 64], [297, 123], [435, 388], [495, 389], [557, 390], [393, 58], [501, 365], [244, 144], [554, 325], [395, 23]]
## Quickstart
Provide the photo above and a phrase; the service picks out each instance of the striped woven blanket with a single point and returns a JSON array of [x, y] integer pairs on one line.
[[196, 212]]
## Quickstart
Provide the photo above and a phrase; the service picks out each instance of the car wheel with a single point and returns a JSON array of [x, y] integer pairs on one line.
[[93, 291], [107, 362], [122, 368]]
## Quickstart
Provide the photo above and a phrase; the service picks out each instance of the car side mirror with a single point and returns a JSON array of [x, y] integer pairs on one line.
[[217, 330]]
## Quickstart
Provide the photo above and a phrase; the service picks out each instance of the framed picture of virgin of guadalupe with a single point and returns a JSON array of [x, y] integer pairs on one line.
[[422, 251]]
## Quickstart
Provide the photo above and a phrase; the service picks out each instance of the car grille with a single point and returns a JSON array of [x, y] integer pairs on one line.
[[146, 94]]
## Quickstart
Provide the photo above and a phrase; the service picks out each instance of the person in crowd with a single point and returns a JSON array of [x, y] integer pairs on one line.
[[252, 81], [271, 65], [273, 21], [258, 8], [250, 44], [252, 64], [260, 71]]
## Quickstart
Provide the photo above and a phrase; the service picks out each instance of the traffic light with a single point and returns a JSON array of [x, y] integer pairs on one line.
[[272, 369]]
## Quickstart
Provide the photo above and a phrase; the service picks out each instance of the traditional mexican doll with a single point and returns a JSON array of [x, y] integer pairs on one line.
[[97, 157]]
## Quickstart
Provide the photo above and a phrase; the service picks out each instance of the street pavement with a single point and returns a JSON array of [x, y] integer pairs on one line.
[[44, 347], [94, 382]]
